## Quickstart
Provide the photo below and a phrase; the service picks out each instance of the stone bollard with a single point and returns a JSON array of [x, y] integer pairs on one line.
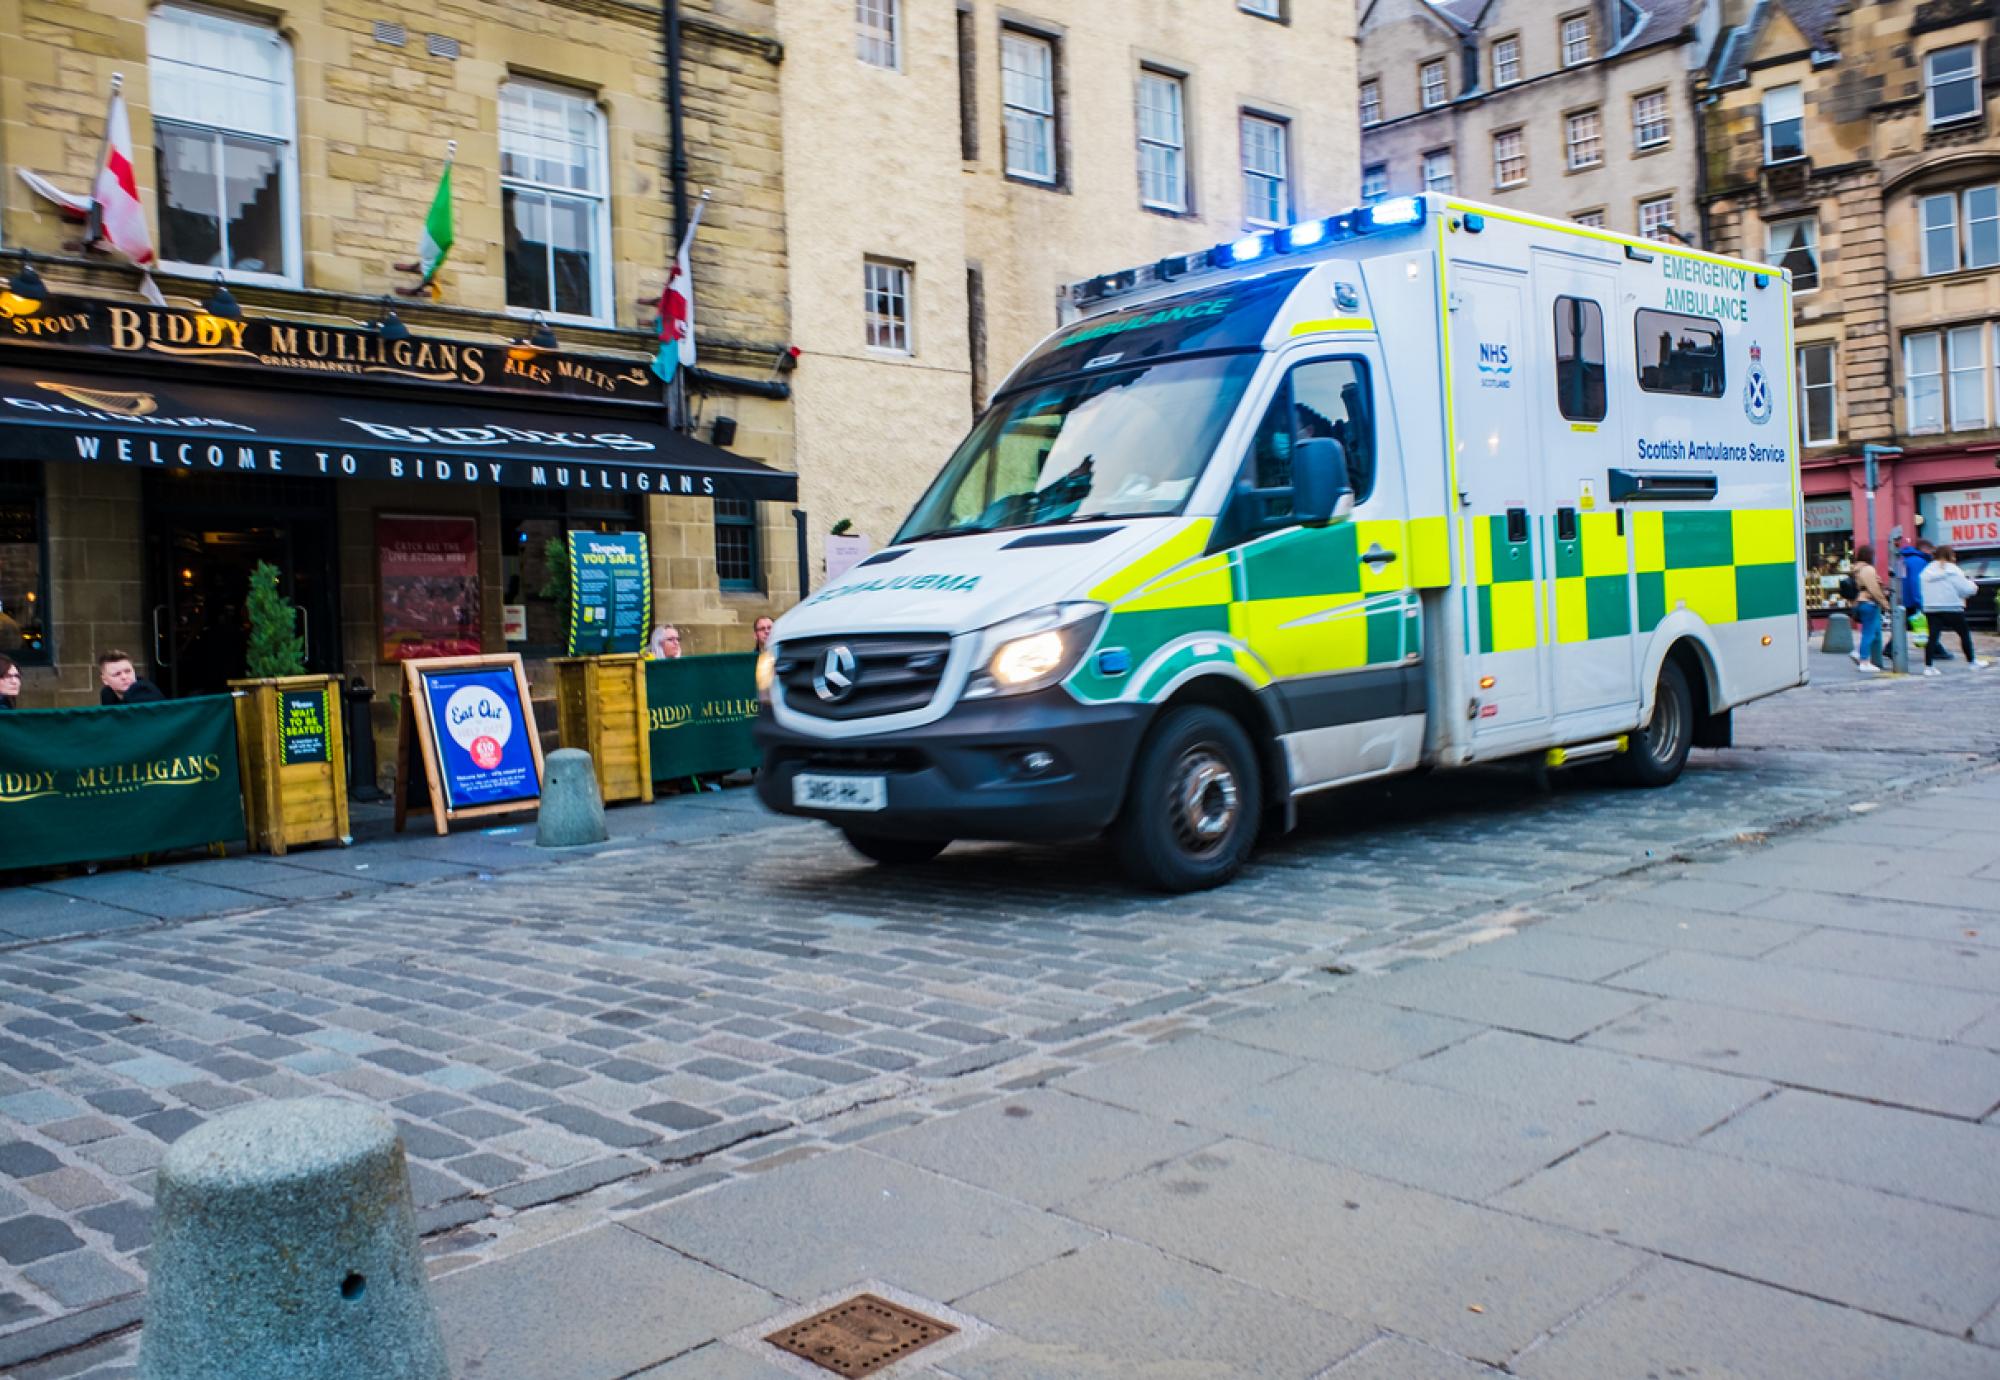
[[1839, 634], [285, 1245], [572, 809]]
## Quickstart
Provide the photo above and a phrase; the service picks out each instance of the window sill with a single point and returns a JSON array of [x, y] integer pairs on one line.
[[167, 268], [561, 318], [1040, 184], [1170, 212], [1573, 169], [1648, 150]]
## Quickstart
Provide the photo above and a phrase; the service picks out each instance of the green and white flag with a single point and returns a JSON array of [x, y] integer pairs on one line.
[[436, 242]]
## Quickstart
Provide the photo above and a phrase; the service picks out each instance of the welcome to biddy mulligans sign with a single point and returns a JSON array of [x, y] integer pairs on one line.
[[116, 781]]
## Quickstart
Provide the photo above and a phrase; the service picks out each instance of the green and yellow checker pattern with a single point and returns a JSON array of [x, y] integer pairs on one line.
[[1503, 585], [1297, 602], [1593, 594], [1723, 566]]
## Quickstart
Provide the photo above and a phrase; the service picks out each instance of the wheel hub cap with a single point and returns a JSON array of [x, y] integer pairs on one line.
[[1206, 804]]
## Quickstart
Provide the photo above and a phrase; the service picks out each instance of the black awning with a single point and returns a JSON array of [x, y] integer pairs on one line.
[[137, 423]]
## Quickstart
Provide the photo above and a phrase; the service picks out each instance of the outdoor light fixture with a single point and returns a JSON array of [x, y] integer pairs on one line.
[[220, 304], [540, 338], [25, 292], [724, 432], [391, 327]]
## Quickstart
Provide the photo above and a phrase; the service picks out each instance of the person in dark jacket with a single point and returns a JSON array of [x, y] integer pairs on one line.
[[121, 683], [10, 682], [1915, 556]]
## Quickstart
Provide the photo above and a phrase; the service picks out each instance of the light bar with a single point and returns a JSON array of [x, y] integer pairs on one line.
[[1399, 213]]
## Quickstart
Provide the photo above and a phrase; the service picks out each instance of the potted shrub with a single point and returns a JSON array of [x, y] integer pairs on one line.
[[288, 730]]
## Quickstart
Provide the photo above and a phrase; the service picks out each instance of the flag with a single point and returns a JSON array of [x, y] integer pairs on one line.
[[435, 243], [677, 308], [117, 219]]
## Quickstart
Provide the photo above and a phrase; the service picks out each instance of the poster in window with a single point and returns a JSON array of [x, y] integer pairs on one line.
[[484, 754], [429, 567]]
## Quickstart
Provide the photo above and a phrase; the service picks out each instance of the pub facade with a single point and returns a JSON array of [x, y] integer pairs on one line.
[[409, 465]]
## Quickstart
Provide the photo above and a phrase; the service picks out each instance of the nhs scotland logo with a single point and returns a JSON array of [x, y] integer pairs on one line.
[[1496, 366]]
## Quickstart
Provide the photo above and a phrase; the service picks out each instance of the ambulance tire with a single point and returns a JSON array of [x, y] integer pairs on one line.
[[1194, 805], [1657, 752], [888, 852]]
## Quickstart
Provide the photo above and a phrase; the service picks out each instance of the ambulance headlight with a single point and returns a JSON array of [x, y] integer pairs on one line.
[[1034, 650], [767, 672]]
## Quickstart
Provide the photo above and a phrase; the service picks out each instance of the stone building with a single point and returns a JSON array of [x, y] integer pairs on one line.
[[1581, 110], [949, 167], [289, 153], [1855, 145]]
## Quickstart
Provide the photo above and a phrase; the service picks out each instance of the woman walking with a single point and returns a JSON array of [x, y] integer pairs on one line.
[[1871, 602], [1946, 588]]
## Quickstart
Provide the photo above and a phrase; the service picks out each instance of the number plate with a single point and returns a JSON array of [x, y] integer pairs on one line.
[[840, 792]]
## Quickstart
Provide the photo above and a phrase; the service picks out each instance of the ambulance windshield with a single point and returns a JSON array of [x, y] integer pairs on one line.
[[1116, 444]]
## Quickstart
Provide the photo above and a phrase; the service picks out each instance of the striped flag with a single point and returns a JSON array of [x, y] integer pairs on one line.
[[436, 241], [677, 307]]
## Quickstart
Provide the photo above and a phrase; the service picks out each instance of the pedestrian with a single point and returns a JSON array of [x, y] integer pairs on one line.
[[1915, 556], [10, 682], [121, 683], [1946, 588], [666, 643], [761, 631], [1870, 603]]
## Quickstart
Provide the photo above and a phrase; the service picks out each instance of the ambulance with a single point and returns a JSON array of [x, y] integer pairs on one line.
[[1426, 484]]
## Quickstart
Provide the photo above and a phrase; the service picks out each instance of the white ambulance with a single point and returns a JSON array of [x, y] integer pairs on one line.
[[1425, 484]]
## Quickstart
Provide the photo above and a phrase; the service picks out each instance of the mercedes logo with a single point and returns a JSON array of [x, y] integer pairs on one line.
[[833, 680]]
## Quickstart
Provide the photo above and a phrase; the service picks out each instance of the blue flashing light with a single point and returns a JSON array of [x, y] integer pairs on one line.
[[1304, 235], [1248, 248], [1396, 212]]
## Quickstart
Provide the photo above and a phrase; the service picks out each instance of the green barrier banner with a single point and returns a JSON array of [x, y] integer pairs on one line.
[[699, 710], [84, 784]]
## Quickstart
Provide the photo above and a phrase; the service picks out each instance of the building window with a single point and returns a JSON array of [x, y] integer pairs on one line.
[[1650, 126], [1267, 198], [885, 304], [1584, 140], [1506, 61], [1946, 250], [1593, 220], [1580, 374], [1794, 244], [1510, 158], [1951, 85], [1966, 354], [223, 145], [1374, 183], [552, 180], [1437, 171], [1923, 380], [1028, 95], [1576, 39], [24, 572], [1267, 9], [1436, 89], [1371, 104], [736, 562], [1784, 124], [1817, 422], [1163, 182], [1679, 354], [876, 30], [1656, 215]]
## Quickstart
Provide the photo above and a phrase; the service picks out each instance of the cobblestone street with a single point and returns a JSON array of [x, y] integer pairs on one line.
[[565, 1045]]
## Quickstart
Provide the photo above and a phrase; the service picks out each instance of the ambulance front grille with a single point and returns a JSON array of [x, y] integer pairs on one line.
[[893, 674]]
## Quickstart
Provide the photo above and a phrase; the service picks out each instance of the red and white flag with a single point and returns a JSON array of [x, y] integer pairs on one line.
[[117, 219], [677, 307]]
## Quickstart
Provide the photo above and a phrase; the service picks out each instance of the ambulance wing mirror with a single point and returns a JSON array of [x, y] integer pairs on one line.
[[1319, 482]]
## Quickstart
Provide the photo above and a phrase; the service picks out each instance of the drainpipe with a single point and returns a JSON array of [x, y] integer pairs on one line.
[[677, 158], [1701, 109]]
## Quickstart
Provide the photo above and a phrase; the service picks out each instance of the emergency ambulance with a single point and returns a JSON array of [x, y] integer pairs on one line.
[[1424, 484]]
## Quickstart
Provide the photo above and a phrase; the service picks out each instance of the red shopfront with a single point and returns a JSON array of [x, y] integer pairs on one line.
[[1947, 494]]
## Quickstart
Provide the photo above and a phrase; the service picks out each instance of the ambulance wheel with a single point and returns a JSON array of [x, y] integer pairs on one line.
[[890, 852], [1658, 751], [1195, 803]]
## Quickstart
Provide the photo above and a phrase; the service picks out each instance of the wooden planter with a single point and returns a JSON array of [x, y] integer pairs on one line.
[[292, 756], [601, 708]]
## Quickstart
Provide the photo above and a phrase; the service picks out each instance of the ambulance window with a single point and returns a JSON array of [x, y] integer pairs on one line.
[[1580, 359], [1680, 354], [1330, 398]]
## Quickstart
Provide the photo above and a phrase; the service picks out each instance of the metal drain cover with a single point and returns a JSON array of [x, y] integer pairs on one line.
[[860, 1336]]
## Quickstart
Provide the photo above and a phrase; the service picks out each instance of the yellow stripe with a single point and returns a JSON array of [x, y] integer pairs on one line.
[[1762, 536], [1649, 541], [1430, 552], [1335, 323], [1456, 536], [1611, 237], [1184, 545]]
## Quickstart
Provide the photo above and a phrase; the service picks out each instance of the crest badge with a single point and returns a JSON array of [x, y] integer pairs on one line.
[[1758, 403]]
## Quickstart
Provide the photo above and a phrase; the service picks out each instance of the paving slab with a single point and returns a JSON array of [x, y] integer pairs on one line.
[[1607, 1090], [1119, 1309], [1362, 1248], [1784, 989], [851, 1215], [1399, 1358], [715, 1362], [1956, 1080], [596, 1306], [1493, 996], [1963, 964], [1675, 1320], [1945, 924], [1930, 1157], [1341, 1028], [1043, 1147], [164, 898], [1551, 952], [1933, 1266], [1666, 928], [34, 914], [1180, 1078]]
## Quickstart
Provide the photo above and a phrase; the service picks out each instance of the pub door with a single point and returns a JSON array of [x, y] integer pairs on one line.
[[205, 534]]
